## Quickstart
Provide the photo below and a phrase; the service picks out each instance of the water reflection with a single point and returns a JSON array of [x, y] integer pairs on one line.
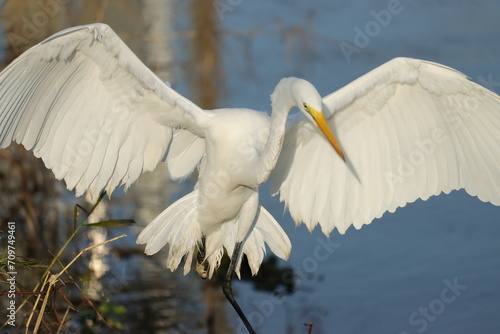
[[97, 262], [132, 292], [366, 291]]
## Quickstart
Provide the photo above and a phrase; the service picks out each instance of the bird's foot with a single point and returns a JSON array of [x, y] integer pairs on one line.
[[201, 264]]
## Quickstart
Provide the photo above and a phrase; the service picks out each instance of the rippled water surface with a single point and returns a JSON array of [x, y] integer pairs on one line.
[[431, 267]]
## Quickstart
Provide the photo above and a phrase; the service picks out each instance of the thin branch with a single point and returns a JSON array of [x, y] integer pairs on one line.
[[62, 321], [54, 278], [310, 327]]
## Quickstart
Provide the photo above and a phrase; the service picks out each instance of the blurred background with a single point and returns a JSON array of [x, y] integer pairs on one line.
[[431, 267]]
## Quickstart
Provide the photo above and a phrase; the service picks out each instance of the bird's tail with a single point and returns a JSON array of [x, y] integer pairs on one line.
[[177, 227], [266, 230]]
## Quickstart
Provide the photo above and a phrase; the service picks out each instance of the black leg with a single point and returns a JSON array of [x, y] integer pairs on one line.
[[228, 290], [201, 264]]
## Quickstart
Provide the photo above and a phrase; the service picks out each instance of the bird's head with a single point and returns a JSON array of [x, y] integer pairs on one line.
[[308, 100]]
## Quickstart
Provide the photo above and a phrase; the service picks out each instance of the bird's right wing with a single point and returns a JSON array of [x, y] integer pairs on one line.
[[94, 113], [409, 129]]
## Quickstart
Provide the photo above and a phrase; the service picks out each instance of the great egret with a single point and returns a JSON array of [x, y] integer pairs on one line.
[[99, 118]]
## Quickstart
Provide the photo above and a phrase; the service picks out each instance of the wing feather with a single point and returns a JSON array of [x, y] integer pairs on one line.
[[94, 113], [410, 129], [184, 154]]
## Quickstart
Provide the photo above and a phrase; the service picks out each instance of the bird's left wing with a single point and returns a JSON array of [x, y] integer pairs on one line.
[[95, 114], [409, 129]]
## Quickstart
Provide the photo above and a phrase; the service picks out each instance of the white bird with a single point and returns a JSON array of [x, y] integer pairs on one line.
[[99, 118]]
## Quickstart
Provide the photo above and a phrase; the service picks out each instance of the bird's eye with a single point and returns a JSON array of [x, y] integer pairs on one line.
[[306, 107]]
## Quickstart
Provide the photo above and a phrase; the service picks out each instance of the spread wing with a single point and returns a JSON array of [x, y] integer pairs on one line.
[[409, 129], [94, 113]]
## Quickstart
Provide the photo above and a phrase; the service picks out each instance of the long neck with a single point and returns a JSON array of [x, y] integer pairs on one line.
[[281, 106]]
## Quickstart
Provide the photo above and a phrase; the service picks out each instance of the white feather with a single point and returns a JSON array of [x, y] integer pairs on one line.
[[409, 129], [99, 118], [94, 113], [184, 154], [177, 227]]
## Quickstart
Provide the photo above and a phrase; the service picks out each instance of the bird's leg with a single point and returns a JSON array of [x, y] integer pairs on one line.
[[201, 263], [228, 290]]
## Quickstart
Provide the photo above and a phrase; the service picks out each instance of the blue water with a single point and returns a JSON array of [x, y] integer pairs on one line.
[[431, 267]]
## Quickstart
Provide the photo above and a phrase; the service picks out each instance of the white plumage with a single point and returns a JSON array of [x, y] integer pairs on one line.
[[409, 129], [86, 105], [95, 114]]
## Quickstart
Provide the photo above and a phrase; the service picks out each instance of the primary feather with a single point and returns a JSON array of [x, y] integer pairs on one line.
[[409, 129], [99, 118], [94, 113]]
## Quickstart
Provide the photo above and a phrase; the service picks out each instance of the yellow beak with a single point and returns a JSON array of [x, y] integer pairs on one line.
[[320, 120]]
